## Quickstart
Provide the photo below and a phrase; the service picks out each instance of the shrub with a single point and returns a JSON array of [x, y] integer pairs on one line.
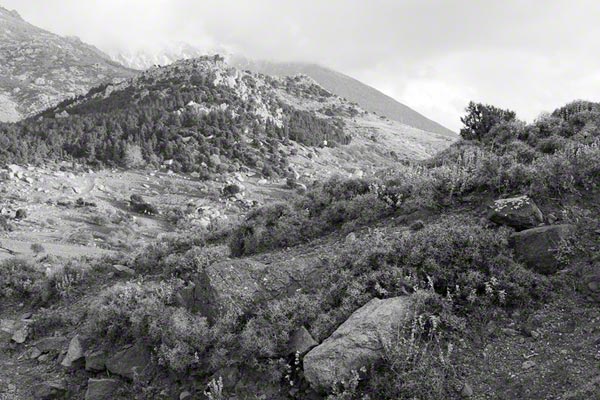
[[19, 279]]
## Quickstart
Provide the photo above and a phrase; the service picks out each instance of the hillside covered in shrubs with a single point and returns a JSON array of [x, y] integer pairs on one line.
[[399, 286]]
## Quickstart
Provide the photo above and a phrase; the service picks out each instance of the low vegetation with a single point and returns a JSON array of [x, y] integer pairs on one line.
[[458, 268]]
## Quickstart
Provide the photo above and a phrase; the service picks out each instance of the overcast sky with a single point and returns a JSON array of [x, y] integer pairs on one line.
[[434, 56]]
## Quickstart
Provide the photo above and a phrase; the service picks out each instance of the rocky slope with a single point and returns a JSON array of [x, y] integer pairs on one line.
[[342, 85], [38, 68], [345, 86]]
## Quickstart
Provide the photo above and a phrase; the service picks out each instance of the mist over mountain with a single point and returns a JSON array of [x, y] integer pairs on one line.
[[39, 69]]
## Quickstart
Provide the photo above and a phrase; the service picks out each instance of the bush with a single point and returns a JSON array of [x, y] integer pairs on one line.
[[20, 280]]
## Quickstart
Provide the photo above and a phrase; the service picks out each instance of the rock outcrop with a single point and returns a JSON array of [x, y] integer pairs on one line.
[[518, 212], [357, 343], [233, 286], [537, 248]]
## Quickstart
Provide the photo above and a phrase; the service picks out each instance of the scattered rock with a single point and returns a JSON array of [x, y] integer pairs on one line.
[[21, 214], [591, 285], [20, 335], [301, 341], [95, 362], [50, 390], [54, 344], [466, 391], [101, 389], [537, 247], [518, 212], [528, 364], [130, 361], [123, 271], [357, 343], [185, 395], [34, 353], [350, 238], [75, 353]]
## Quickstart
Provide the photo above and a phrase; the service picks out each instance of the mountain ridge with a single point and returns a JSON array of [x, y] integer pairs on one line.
[[39, 68]]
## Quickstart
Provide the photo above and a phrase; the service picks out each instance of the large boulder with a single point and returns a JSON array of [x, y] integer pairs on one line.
[[537, 247], [518, 212], [234, 286], [357, 343], [75, 353], [102, 389], [129, 361]]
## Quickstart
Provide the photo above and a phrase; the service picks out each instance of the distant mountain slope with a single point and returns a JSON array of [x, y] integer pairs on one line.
[[39, 69], [344, 86]]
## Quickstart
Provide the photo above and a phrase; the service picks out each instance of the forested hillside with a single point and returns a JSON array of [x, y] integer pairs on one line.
[[201, 114]]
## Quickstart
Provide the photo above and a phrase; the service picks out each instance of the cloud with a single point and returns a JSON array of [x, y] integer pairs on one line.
[[433, 56]]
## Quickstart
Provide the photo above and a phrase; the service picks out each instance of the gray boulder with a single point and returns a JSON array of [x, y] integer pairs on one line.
[[50, 390], [102, 389], [518, 212], [129, 361], [537, 247], [75, 353], [357, 343], [95, 362], [236, 285]]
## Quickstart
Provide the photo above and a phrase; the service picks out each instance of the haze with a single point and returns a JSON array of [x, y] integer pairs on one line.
[[433, 56]]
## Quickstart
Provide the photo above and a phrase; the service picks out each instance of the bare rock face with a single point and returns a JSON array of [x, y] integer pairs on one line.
[[518, 212], [233, 286], [357, 343], [537, 247]]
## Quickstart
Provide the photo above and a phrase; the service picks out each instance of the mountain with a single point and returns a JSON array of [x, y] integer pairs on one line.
[[342, 85], [345, 86], [204, 116], [38, 68]]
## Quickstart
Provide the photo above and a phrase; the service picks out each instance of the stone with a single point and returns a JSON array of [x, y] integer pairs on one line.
[[185, 395], [50, 390], [75, 353], [518, 212], [20, 335], [122, 270], [466, 391], [34, 353], [350, 238], [529, 364], [536, 247], [51, 344], [357, 343], [590, 285], [95, 362], [236, 285], [101, 389], [129, 361], [301, 342]]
